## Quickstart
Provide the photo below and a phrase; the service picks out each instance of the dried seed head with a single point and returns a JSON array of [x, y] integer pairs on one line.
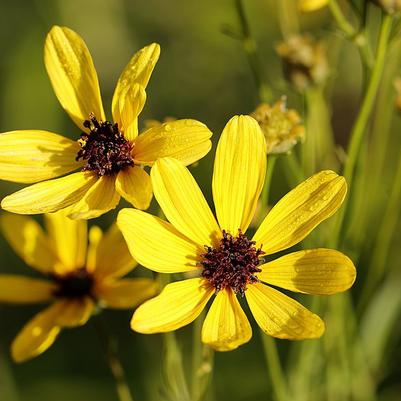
[[304, 61], [281, 126], [232, 263]]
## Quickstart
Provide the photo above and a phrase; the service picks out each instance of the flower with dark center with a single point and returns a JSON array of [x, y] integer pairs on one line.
[[76, 284], [104, 148], [232, 264]]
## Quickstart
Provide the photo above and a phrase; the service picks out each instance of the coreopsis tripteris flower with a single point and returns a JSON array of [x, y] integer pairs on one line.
[[79, 278], [110, 155], [229, 263], [312, 5]]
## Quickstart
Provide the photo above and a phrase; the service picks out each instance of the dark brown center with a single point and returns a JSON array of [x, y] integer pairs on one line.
[[104, 148], [232, 264], [76, 284]]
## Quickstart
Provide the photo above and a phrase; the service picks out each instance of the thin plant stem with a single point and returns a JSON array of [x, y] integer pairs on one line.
[[276, 373], [109, 346], [250, 48], [202, 362], [386, 231], [288, 17], [360, 126]]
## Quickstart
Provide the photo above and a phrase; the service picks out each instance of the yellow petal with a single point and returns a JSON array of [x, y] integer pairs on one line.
[[311, 5], [28, 240], [134, 185], [300, 211], [126, 293], [178, 304], [226, 326], [182, 202], [156, 244], [37, 335], [17, 289], [33, 156], [95, 236], [112, 258], [280, 316], [69, 239], [184, 140], [130, 105], [49, 196], [137, 71], [100, 198], [315, 271], [74, 312], [73, 75], [239, 173]]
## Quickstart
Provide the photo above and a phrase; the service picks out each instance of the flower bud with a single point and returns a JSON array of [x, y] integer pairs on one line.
[[304, 61], [281, 126]]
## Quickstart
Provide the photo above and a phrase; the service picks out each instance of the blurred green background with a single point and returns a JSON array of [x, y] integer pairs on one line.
[[202, 74]]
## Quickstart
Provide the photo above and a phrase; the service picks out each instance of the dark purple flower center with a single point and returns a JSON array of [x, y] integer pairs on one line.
[[76, 284], [232, 264], [104, 148]]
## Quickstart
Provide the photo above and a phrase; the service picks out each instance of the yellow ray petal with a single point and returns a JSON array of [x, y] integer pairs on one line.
[[99, 199], [49, 196], [226, 326], [300, 211], [182, 201], [37, 335], [239, 173], [134, 185], [315, 271], [178, 304], [280, 316], [137, 71], [73, 75], [28, 240], [95, 236], [33, 156], [184, 140], [126, 293], [111, 257], [69, 240], [156, 244], [311, 5], [17, 289], [130, 105], [74, 312]]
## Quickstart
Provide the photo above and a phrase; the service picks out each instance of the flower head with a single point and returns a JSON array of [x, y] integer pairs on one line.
[[311, 5], [109, 154], [78, 278], [304, 61], [228, 261], [281, 126]]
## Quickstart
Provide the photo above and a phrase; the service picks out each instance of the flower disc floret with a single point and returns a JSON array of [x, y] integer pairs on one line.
[[232, 264]]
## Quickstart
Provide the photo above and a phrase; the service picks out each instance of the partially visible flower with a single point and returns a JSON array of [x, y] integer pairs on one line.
[[78, 278], [281, 126], [304, 61], [110, 155], [228, 262], [389, 6], [311, 5]]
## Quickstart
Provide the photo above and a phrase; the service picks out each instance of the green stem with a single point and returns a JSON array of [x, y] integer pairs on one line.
[[378, 261], [288, 18], [250, 47], [202, 362], [109, 346], [275, 369], [360, 126]]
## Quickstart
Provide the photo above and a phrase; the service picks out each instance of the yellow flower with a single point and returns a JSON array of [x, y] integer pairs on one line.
[[227, 262], [312, 5], [79, 277], [110, 155]]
